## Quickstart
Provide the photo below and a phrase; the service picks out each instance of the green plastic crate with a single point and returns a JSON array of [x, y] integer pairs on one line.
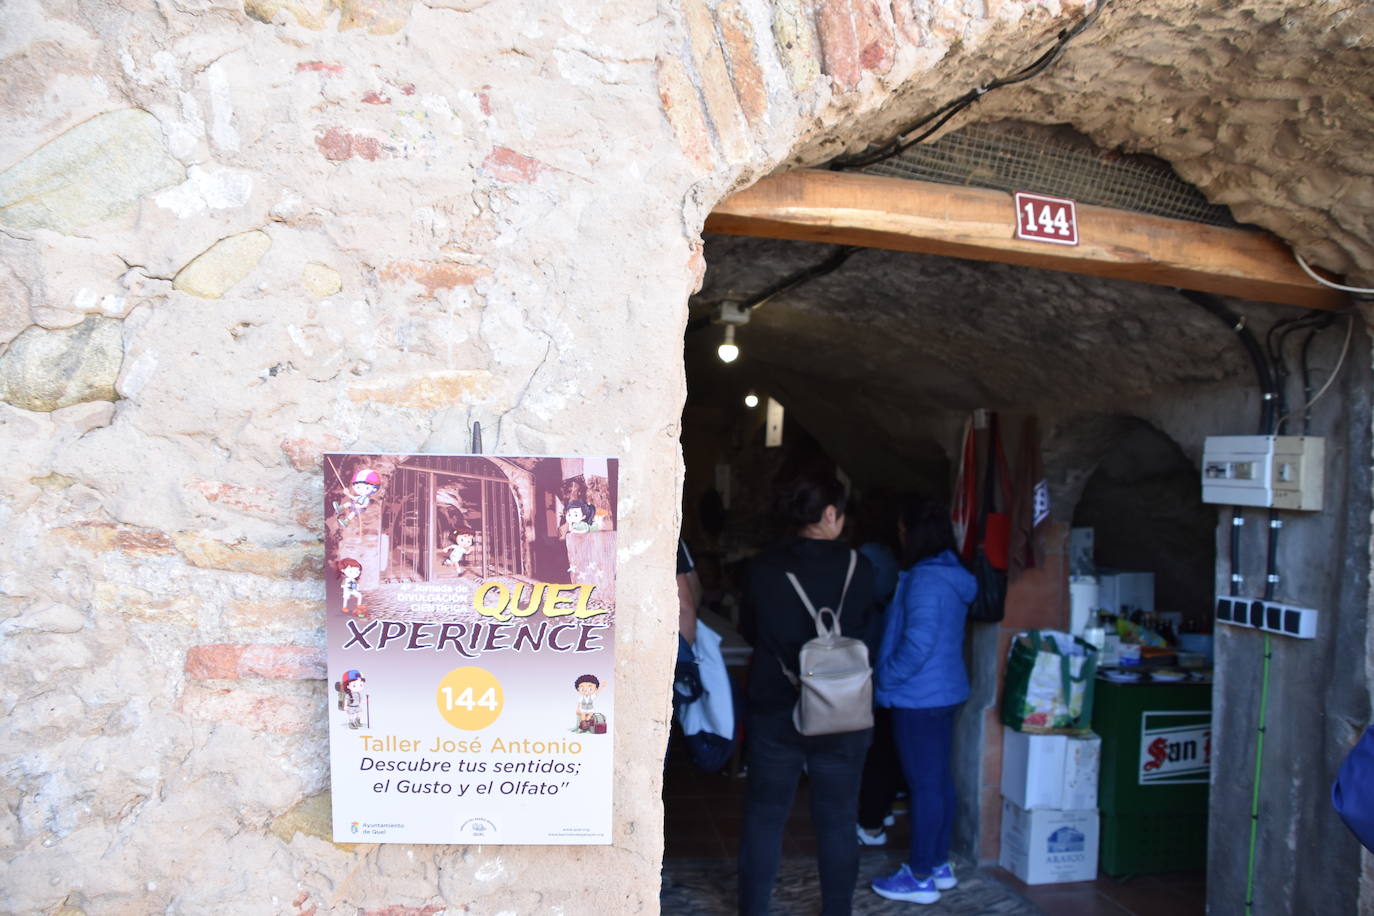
[[1173, 722], [1138, 844]]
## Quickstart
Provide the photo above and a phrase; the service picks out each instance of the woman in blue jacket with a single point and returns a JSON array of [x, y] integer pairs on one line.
[[921, 676]]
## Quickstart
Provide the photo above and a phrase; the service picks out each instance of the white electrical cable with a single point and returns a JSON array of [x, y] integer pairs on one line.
[[1325, 282], [1345, 347]]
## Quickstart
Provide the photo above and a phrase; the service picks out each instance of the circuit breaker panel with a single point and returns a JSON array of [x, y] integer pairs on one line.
[[1282, 472]]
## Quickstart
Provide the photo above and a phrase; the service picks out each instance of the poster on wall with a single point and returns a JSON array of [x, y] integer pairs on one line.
[[470, 627]]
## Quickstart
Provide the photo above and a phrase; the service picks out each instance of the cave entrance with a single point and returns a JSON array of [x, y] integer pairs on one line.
[[876, 342]]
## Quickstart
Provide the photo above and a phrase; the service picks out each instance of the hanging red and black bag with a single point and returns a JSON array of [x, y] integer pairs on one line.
[[993, 537]]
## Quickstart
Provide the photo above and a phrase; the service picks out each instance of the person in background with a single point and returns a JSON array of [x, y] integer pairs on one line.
[[687, 686], [921, 677], [688, 594], [876, 536], [776, 624]]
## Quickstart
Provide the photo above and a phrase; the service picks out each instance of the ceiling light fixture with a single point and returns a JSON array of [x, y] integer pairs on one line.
[[751, 400], [730, 314], [728, 351]]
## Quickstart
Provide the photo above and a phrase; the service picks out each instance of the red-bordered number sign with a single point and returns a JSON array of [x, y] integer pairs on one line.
[[1046, 219]]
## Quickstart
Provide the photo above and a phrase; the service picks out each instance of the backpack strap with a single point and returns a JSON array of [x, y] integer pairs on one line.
[[821, 631], [834, 628]]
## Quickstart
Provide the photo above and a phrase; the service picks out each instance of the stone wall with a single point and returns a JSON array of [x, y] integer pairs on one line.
[[236, 235], [1319, 690]]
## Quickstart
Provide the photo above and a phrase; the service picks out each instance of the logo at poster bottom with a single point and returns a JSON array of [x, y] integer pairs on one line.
[[478, 828]]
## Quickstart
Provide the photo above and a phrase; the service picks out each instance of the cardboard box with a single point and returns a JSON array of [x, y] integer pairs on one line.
[[1122, 591], [1048, 846], [1050, 771]]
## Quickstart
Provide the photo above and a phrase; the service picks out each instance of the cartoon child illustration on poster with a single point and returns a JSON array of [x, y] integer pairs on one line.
[[352, 691], [588, 719], [350, 570], [365, 484], [464, 540], [580, 517]]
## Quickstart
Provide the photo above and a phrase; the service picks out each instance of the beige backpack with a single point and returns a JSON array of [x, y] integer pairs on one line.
[[835, 682]]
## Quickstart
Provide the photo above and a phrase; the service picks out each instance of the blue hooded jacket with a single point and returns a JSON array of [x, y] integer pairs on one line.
[[921, 661]]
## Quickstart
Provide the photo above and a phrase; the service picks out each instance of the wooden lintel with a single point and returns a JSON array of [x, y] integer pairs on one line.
[[905, 215]]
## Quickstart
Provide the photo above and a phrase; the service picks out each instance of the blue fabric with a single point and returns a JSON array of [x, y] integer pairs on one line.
[[921, 660], [1352, 794], [884, 568], [708, 722], [686, 676], [882, 774], [924, 739], [833, 764]]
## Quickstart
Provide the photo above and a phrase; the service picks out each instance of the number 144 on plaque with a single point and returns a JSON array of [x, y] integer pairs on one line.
[[1046, 219]]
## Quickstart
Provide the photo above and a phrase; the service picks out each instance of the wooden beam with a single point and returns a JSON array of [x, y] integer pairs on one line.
[[905, 215]]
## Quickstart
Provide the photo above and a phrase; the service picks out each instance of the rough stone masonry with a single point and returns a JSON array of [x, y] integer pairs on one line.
[[236, 234]]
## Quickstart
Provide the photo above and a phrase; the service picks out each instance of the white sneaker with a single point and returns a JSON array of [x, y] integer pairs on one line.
[[943, 875], [870, 839]]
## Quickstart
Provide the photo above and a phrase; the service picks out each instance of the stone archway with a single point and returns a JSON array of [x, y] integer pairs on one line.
[[238, 236]]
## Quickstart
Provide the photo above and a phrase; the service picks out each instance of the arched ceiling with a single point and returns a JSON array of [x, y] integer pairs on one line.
[[887, 352], [1264, 105], [938, 333]]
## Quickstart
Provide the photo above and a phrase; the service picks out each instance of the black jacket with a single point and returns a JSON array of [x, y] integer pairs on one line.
[[775, 622]]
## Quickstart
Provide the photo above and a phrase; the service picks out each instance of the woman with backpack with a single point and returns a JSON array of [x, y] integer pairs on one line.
[[776, 623], [921, 676]]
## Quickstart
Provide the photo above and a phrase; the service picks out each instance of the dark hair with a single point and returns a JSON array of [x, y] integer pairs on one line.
[[802, 502], [587, 679], [460, 531], [588, 510], [928, 531]]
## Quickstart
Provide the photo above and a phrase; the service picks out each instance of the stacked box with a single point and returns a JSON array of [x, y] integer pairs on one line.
[[1049, 806], [1050, 771], [1049, 846]]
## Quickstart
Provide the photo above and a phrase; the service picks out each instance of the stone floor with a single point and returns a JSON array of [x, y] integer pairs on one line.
[[702, 820], [706, 887]]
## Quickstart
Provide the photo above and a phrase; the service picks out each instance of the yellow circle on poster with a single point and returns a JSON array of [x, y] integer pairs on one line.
[[470, 698]]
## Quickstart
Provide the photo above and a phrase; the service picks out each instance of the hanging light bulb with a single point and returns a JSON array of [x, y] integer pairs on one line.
[[751, 400], [727, 351]]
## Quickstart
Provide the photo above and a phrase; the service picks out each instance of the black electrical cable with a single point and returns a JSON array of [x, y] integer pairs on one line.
[[1265, 376], [1307, 379], [1263, 372], [1275, 341], [1237, 522], [1306, 371], [788, 283], [1271, 562], [945, 112]]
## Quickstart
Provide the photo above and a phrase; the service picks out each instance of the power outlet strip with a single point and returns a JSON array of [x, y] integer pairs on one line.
[[1270, 616]]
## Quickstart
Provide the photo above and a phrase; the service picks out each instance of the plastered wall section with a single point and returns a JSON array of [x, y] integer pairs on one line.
[[235, 235]]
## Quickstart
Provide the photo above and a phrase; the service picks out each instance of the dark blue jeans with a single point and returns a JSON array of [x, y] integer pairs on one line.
[[924, 739], [834, 765]]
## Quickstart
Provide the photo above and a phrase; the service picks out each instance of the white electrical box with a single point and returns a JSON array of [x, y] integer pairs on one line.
[[1282, 472]]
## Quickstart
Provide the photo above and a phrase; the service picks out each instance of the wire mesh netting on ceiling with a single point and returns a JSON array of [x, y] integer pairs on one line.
[[1026, 157]]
